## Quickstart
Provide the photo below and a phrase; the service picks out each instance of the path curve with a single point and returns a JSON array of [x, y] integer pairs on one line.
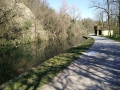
[[96, 69]]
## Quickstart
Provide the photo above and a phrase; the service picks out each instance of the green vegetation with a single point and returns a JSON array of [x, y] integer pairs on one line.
[[45, 72], [116, 38], [27, 21], [26, 25], [104, 17]]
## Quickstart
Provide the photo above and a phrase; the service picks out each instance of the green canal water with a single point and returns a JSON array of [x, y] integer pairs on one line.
[[15, 60]]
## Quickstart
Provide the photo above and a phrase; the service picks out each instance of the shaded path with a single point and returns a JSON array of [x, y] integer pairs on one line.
[[97, 69]]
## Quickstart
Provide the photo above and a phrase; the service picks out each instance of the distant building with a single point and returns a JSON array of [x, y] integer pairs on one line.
[[98, 30], [107, 32]]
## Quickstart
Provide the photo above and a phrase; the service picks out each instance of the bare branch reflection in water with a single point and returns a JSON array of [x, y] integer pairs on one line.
[[17, 60]]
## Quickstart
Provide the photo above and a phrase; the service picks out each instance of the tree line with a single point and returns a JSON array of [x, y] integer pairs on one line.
[[108, 12], [24, 21]]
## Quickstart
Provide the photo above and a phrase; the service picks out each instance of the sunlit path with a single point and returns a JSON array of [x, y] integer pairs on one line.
[[97, 69]]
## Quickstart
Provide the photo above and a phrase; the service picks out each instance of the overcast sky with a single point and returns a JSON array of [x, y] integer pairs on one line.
[[82, 5]]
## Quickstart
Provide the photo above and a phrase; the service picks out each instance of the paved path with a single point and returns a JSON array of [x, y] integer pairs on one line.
[[97, 69]]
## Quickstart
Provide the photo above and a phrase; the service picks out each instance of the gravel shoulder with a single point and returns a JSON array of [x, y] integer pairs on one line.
[[96, 69]]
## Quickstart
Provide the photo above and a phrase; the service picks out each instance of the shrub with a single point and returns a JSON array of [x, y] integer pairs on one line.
[[26, 25]]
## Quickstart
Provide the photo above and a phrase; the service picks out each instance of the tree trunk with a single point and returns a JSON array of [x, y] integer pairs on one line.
[[119, 24], [108, 7], [119, 19], [109, 25]]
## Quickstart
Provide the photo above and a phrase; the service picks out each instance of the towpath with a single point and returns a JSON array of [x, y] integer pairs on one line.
[[96, 69]]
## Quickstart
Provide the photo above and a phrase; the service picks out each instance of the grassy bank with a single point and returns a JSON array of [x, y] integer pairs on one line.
[[45, 72], [116, 38]]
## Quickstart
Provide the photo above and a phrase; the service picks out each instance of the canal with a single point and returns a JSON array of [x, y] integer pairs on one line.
[[15, 60]]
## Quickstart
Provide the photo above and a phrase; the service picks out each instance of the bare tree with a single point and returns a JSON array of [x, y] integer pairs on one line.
[[64, 8], [119, 15], [99, 15], [6, 14], [116, 7], [88, 24], [105, 6], [74, 13]]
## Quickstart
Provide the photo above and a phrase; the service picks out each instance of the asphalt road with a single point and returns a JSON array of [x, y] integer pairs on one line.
[[96, 69]]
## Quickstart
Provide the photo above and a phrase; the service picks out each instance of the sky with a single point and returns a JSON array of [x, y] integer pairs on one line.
[[82, 5]]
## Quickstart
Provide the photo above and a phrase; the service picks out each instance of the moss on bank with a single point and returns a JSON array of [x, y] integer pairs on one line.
[[45, 72]]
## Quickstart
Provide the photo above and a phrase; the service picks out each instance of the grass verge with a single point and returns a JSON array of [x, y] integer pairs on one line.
[[45, 72], [116, 38]]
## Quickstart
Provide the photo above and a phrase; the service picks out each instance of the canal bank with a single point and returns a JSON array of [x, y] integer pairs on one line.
[[46, 71]]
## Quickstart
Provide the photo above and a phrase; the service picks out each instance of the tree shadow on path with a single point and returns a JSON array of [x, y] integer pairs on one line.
[[92, 72]]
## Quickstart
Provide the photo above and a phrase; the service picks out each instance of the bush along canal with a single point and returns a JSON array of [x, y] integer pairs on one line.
[[45, 71]]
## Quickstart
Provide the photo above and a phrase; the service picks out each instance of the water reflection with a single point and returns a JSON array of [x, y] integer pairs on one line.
[[16, 60], [94, 53]]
